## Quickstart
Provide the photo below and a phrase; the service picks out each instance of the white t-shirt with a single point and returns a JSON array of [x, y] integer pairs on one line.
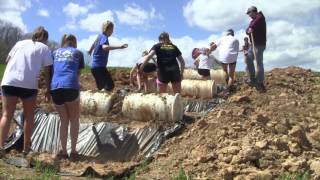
[[228, 47], [205, 62], [26, 60]]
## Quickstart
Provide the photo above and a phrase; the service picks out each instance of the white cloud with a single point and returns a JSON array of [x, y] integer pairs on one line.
[[93, 22], [73, 10], [129, 56], [11, 11], [134, 15], [292, 27], [43, 13]]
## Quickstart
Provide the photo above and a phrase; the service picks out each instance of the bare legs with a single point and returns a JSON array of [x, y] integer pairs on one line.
[[229, 69], [28, 112], [9, 105], [69, 113]]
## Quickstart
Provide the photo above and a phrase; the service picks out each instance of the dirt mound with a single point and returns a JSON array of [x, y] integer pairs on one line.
[[253, 135]]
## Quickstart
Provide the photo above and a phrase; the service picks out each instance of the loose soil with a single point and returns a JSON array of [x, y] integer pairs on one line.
[[253, 135]]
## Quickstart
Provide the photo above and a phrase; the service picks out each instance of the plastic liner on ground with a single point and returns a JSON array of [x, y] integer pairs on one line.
[[103, 140]]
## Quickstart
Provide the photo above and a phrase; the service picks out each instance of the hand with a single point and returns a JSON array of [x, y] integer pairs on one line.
[[124, 46], [249, 30], [47, 96]]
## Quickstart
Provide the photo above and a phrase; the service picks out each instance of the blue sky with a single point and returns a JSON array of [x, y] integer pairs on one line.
[[292, 26]]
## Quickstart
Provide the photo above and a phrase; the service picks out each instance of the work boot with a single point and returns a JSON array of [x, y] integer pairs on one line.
[[250, 83], [261, 88]]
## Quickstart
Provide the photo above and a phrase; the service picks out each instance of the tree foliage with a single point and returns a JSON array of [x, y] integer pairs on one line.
[[10, 34]]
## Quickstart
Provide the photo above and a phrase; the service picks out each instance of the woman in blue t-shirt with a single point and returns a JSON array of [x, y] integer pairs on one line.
[[67, 63], [100, 53]]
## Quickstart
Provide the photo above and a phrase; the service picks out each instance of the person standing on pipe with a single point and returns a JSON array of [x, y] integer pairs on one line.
[[65, 86], [100, 53], [258, 38], [20, 81], [168, 66]]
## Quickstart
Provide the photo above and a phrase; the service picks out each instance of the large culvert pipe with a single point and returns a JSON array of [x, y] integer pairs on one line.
[[219, 76], [158, 107], [95, 103], [204, 89]]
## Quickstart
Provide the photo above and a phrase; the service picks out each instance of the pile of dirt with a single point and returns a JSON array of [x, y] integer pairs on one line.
[[252, 136]]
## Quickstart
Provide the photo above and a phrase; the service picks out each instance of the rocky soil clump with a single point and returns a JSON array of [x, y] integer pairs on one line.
[[251, 136]]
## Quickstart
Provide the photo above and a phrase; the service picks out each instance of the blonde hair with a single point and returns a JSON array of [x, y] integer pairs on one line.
[[40, 34], [69, 40], [106, 25]]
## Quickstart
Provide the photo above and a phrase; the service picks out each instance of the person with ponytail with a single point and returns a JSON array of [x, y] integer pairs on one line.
[[168, 69], [65, 86], [100, 54], [20, 81]]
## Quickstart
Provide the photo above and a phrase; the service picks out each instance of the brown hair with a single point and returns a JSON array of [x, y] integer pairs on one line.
[[40, 34], [106, 25], [69, 40], [164, 36]]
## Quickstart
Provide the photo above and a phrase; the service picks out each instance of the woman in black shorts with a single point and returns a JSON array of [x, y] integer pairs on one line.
[[143, 75], [20, 81], [67, 63], [168, 67]]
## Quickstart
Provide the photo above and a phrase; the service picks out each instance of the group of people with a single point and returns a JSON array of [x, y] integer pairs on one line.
[[228, 47], [62, 69]]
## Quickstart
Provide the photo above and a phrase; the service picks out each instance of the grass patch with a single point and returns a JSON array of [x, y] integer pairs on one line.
[[2, 68], [300, 175], [143, 167], [46, 171], [5, 175], [182, 175], [316, 73]]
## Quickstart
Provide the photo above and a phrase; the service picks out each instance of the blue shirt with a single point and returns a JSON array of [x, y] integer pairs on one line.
[[66, 63], [100, 56]]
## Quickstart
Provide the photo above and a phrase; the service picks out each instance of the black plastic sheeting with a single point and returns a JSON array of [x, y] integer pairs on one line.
[[103, 140], [201, 106]]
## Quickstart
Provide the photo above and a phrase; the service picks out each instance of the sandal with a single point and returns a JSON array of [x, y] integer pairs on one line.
[[74, 156], [61, 155]]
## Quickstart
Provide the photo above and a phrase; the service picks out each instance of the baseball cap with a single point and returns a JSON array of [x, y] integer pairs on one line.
[[252, 8]]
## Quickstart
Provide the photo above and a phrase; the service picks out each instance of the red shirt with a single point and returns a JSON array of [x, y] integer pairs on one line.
[[259, 29]]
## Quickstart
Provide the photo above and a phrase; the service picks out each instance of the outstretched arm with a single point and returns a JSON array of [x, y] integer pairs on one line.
[[109, 47], [147, 58]]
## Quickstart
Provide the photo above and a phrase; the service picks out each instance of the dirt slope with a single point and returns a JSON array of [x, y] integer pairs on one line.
[[254, 135]]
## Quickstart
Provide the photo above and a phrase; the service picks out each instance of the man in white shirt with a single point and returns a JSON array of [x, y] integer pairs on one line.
[[228, 47]]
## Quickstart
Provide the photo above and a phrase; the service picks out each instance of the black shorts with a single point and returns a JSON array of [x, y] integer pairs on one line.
[[63, 95], [22, 93], [229, 63], [204, 72], [103, 78], [148, 68], [169, 74]]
